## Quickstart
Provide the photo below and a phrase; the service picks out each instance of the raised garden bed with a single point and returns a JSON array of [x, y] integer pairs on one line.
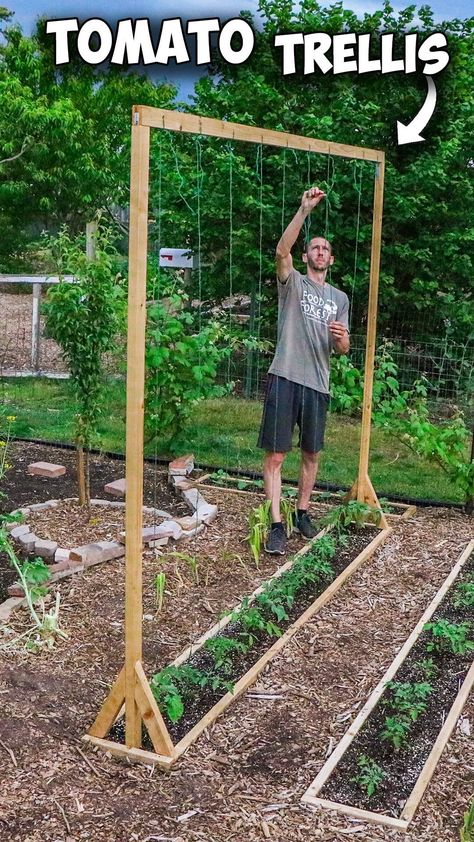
[[382, 766], [239, 485], [214, 672]]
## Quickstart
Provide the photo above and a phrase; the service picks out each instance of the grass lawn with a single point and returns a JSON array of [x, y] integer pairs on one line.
[[223, 433]]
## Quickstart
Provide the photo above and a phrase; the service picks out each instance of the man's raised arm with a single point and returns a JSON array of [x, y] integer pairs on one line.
[[284, 260]]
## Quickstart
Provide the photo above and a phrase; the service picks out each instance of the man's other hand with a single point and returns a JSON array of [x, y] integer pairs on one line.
[[338, 330], [311, 198]]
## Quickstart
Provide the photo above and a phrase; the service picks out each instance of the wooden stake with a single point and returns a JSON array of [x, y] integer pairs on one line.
[[110, 709], [151, 715], [135, 417]]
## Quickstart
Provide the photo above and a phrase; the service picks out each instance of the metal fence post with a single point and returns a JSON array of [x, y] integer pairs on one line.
[[36, 328]]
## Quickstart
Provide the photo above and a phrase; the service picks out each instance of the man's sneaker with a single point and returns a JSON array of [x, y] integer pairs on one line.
[[303, 525], [276, 540]]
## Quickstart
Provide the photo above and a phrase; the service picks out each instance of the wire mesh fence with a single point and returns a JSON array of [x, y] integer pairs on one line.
[[446, 365]]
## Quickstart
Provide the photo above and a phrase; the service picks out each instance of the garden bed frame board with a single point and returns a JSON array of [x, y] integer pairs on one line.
[[311, 798], [132, 686], [167, 753]]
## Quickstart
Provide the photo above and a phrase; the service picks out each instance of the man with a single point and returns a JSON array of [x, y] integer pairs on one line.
[[312, 322]]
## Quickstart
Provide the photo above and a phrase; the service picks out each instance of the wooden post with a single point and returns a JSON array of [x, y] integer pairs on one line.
[[135, 417], [363, 490], [36, 328]]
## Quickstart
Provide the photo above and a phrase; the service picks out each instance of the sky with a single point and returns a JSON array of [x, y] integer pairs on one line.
[[27, 11]]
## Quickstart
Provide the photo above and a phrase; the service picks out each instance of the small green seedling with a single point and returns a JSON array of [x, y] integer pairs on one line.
[[160, 584], [409, 699], [448, 638], [259, 521], [464, 595], [467, 830], [370, 775], [340, 518], [222, 650], [396, 730], [287, 507], [428, 668]]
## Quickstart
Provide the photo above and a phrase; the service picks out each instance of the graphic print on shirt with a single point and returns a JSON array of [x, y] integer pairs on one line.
[[317, 308]]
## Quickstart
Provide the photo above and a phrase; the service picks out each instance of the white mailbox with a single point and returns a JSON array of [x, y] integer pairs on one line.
[[177, 259]]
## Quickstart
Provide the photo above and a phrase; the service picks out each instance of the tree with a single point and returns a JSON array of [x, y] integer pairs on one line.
[[84, 318], [73, 127]]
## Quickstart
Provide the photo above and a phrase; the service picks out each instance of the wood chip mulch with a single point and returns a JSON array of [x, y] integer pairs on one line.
[[244, 777]]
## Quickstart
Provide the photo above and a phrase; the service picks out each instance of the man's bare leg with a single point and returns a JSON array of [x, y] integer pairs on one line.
[[308, 474], [272, 481]]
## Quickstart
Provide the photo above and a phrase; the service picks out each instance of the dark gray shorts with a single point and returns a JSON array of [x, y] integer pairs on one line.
[[287, 404]]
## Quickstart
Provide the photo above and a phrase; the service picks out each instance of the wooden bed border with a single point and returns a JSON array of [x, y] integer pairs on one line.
[[310, 797], [166, 759]]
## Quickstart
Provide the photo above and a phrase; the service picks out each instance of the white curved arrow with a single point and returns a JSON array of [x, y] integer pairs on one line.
[[411, 133]]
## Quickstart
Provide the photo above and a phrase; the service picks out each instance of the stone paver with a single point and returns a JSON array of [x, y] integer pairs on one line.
[[98, 552], [23, 529], [183, 466], [116, 488], [46, 469], [27, 542], [45, 549]]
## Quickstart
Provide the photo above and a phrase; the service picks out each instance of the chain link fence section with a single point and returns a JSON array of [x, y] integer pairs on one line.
[[24, 349]]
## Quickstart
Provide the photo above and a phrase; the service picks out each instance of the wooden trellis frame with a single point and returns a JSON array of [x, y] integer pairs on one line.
[[131, 688]]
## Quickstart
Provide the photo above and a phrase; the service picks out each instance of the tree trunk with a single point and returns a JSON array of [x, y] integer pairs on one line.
[[81, 478]]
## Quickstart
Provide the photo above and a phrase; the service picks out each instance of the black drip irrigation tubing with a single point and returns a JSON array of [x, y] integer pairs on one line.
[[251, 475]]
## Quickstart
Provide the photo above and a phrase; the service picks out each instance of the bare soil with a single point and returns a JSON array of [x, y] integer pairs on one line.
[[243, 779]]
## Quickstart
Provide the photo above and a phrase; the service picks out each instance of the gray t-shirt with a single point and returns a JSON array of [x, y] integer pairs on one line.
[[304, 343]]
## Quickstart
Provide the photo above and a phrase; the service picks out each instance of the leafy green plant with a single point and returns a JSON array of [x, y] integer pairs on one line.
[[288, 510], [259, 522], [396, 730], [467, 830], [370, 775], [343, 516], [160, 584], [182, 358], [428, 668], [33, 575], [464, 595], [173, 686], [84, 318], [445, 637], [409, 699], [223, 649]]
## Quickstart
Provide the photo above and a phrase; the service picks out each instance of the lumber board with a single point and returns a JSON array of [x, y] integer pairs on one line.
[[177, 121], [310, 796], [133, 755], [375, 253], [139, 185], [357, 813], [151, 715], [255, 670], [110, 708]]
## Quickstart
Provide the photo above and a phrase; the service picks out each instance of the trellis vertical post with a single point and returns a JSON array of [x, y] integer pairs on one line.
[[138, 242], [364, 487]]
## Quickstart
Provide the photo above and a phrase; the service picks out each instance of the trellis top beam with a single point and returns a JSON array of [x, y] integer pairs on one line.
[[160, 118]]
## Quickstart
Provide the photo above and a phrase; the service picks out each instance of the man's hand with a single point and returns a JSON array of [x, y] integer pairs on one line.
[[310, 199], [340, 337]]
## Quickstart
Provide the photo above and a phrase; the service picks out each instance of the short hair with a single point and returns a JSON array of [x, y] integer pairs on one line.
[[316, 236]]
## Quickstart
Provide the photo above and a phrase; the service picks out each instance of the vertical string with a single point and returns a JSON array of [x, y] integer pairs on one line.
[[357, 168], [260, 262], [155, 288]]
